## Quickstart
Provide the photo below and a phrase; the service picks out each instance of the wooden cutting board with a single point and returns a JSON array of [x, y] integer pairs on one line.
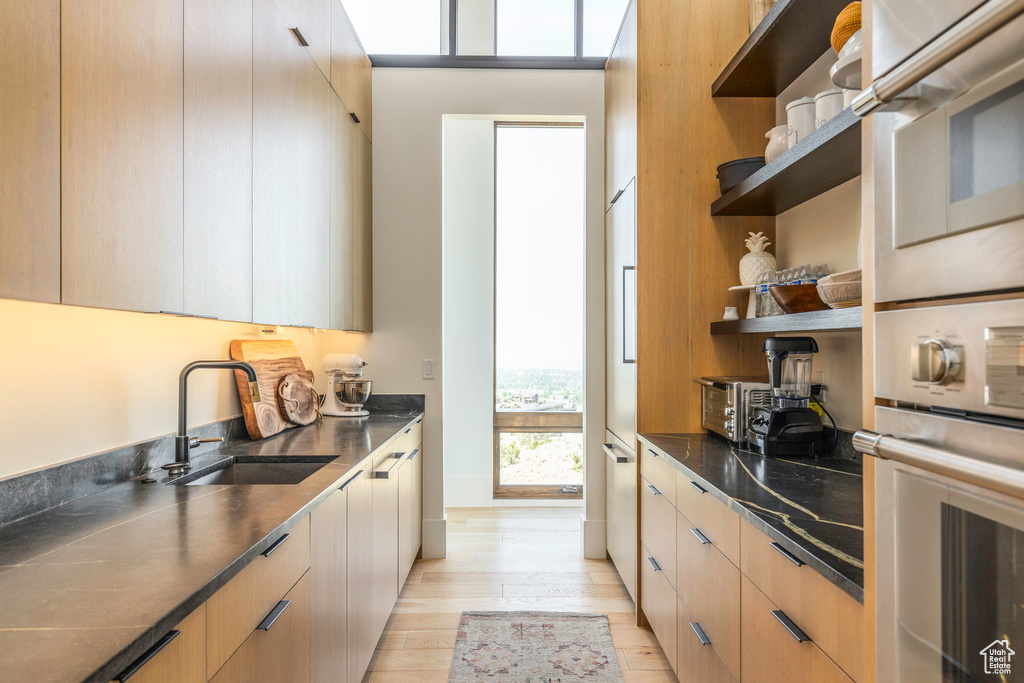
[[272, 360]]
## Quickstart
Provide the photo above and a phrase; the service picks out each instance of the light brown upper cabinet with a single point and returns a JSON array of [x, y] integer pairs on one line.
[[362, 244], [620, 108], [350, 69], [121, 154], [30, 149], [218, 158], [291, 177], [311, 19], [343, 199]]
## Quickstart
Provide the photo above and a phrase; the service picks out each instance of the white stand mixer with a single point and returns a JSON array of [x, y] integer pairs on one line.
[[346, 391]]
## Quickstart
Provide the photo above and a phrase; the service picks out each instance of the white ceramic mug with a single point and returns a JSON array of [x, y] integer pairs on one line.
[[731, 313], [800, 117], [827, 105]]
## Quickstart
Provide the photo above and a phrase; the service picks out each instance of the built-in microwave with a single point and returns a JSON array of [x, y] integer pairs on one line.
[[948, 133]]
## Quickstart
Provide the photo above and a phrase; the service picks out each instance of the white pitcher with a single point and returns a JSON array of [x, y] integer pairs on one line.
[[778, 142]]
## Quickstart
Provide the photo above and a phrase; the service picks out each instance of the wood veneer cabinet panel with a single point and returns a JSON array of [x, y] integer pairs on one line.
[[30, 149], [658, 529], [695, 661], [238, 608], [328, 585], [218, 158], [620, 316], [351, 73], [291, 177], [312, 18], [659, 604], [362, 242], [279, 653], [620, 107], [121, 154], [833, 619], [342, 227], [384, 549], [716, 520], [410, 514], [621, 497], [771, 653], [183, 660], [686, 260], [362, 638]]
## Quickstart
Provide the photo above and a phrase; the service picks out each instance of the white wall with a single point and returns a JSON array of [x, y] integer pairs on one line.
[[468, 310], [826, 229], [409, 106], [78, 381]]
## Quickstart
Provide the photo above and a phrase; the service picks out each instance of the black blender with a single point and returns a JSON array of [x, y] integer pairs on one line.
[[789, 427]]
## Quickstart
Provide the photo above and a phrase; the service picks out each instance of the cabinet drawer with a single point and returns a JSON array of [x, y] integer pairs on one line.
[[238, 608], [709, 585], [654, 465], [772, 653], [178, 657], [658, 528], [620, 496], [713, 517], [696, 660], [279, 649], [833, 619], [411, 437], [659, 604]]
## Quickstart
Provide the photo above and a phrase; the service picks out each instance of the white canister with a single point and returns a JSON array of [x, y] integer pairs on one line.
[[800, 117], [827, 105]]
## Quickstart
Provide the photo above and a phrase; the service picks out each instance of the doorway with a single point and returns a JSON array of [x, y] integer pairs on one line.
[[539, 263]]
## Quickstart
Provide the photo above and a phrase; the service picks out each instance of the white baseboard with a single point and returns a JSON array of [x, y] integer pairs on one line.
[[435, 538], [592, 538]]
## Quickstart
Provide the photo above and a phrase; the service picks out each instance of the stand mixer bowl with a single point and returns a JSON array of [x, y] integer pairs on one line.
[[353, 392]]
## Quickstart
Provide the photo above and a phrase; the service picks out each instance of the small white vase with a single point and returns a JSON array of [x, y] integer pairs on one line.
[[778, 142]]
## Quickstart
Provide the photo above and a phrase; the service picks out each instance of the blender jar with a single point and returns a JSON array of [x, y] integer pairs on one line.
[[796, 376]]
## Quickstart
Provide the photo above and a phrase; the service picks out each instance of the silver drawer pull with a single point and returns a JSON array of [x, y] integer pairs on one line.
[[704, 640], [700, 537], [134, 667], [653, 452], [654, 564], [386, 473], [298, 36], [275, 545], [786, 554], [965, 34], [349, 482], [986, 475], [273, 616], [698, 487], [412, 456], [793, 629], [609, 450], [653, 490]]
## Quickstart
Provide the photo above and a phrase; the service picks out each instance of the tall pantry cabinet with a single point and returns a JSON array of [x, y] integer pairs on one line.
[[664, 138], [176, 156]]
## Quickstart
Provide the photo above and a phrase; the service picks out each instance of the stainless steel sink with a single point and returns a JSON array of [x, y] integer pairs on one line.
[[252, 471]]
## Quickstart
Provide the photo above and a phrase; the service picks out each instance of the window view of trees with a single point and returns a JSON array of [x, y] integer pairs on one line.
[[533, 389], [549, 458]]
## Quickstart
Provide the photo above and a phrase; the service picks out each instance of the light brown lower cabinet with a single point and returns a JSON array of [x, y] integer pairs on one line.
[[278, 650], [659, 603], [410, 513], [328, 587], [776, 649], [362, 640], [658, 528], [178, 657], [696, 659], [384, 549]]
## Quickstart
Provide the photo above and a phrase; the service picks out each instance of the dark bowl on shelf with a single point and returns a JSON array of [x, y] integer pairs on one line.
[[798, 298], [732, 173]]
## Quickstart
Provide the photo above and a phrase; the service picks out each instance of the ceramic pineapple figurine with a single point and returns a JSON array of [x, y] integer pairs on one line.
[[757, 261]]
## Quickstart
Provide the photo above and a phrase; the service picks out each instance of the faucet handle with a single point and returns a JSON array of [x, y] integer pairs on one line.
[[195, 441]]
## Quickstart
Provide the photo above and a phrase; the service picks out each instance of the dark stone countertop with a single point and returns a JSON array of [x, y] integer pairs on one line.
[[88, 586], [814, 507]]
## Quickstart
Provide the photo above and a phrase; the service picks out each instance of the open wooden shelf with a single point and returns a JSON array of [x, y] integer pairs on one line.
[[825, 159], [791, 37], [815, 321]]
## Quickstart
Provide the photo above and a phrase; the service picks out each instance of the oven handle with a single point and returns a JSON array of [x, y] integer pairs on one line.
[[937, 461], [965, 34]]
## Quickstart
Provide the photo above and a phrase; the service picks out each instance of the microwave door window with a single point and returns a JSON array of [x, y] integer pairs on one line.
[[986, 157]]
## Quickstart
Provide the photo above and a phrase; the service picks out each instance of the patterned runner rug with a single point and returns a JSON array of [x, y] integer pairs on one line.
[[534, 647]]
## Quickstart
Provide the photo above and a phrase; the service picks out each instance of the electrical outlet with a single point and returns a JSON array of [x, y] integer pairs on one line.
[[819, 377], [428, 369]]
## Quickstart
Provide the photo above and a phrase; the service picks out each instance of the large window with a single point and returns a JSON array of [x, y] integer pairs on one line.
[[540, 231], [398, 27], [506, 28]]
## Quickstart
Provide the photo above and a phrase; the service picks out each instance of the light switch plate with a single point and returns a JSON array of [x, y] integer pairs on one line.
[[428, 369]]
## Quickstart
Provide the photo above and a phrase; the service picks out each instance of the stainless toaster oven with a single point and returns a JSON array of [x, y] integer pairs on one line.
[[726, 403]]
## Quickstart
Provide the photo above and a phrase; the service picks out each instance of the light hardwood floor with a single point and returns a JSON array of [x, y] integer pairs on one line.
[[507, 559]]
